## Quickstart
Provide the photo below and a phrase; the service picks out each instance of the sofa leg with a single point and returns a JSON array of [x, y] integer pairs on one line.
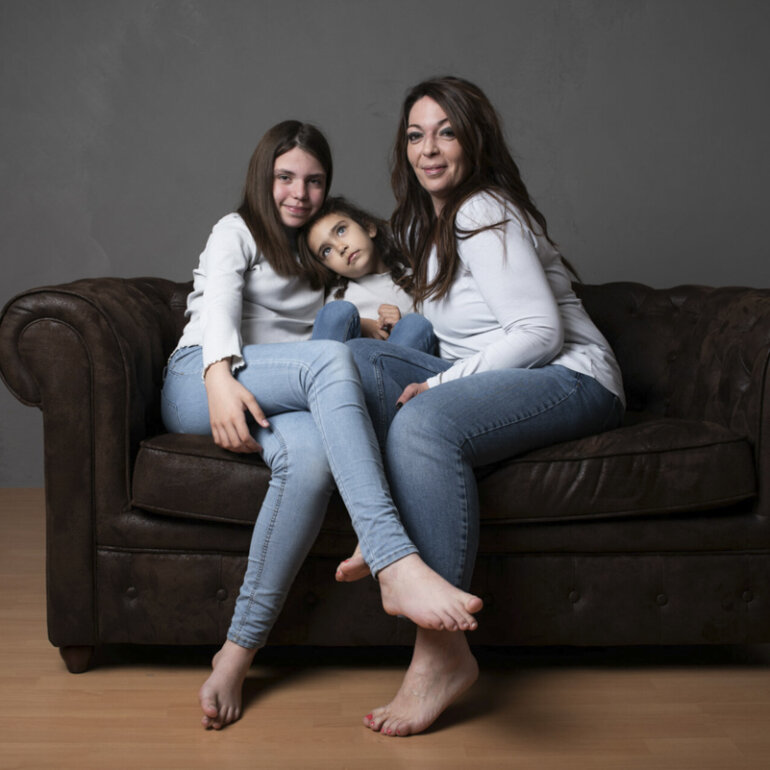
[[77, 658]]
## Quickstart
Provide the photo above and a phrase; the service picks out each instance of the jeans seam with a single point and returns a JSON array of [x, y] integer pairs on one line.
[[263, 554]]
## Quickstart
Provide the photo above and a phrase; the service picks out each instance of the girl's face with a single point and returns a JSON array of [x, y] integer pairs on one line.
[[299, 186], [346, 248], [438, 160]]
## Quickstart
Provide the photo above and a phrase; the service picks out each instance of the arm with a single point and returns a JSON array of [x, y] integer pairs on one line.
[[510, 280], [228, 403]]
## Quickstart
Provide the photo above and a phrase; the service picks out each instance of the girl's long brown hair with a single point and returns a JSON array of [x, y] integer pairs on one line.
[[258, 208], [415, 225]]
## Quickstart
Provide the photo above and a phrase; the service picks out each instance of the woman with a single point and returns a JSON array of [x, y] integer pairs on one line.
[[224, 379], [521, 366]]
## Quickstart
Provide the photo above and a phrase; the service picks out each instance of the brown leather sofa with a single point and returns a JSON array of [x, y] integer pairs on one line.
[[655, 533]]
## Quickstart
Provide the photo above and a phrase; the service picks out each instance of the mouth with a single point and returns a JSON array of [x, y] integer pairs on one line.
[[433, 170], [352, 257], [297, 211]]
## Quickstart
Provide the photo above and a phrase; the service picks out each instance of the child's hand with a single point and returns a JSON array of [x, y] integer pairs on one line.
[[372, 328], [228, 403], [389, 316]]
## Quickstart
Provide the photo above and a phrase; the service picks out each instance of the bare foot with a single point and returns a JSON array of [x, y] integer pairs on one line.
[[442, 669], [220, 695], [410, 587], [353, 568]]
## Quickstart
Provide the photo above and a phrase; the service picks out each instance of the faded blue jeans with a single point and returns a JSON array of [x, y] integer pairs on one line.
[[340, 320], [320, 434], [435, 441]]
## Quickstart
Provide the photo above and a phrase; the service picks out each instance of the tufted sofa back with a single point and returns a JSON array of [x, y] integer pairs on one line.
[[690, 352]]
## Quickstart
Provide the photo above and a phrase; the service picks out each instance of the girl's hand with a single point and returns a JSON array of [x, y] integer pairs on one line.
[[389, 316], [410, 391], [371, 328], [228, 403]]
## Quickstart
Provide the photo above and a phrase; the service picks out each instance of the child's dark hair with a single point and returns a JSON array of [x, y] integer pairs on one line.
[[383, 241]]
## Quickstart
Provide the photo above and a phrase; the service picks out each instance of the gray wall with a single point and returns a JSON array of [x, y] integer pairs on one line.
[[640, 126]]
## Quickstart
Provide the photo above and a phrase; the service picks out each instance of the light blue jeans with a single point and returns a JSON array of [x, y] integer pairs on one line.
[[435, 441], [320, 434], [340, 320]]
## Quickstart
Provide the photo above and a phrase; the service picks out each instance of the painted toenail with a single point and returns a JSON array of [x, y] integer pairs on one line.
[[368, 716]]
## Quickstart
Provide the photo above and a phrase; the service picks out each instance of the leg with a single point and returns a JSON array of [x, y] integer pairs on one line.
[[415, 331], [77, 658], [386, 369], [451, 429], [338, 320], [442, 669], [288, 524], [440, 436], [321, 376]]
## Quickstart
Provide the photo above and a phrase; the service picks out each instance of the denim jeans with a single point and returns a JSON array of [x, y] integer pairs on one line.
[[435, 441], [319, 434], [340, 320]]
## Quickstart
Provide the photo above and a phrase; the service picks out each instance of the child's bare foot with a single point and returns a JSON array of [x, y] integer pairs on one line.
[[220, 695], [353, 568], [410, 587], [442, 669]]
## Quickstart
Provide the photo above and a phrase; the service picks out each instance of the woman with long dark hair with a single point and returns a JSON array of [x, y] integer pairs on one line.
[[521, 364]]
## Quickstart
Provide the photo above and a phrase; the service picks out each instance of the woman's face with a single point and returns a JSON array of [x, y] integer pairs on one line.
[[433, 151], [345, 247], [299, 186]]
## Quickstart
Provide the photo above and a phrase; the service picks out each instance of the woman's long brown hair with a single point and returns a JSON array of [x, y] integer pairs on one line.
[[258, 208], [415, 225]]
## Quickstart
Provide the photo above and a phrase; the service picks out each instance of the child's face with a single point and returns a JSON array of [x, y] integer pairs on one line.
[[345, 247], [299, 184]]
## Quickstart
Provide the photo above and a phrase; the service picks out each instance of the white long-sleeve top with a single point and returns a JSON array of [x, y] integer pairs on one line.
[[511, 304], [370, 291], [238, 299]]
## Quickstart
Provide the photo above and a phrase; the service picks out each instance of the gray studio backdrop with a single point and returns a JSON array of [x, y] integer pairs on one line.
[[125, 128]]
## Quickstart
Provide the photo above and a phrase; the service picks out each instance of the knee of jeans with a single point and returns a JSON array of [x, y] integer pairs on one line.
[[416, 322], [339, 308], [299, 458]]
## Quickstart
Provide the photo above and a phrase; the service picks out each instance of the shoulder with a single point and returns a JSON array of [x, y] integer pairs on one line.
[[231, 233], [487, 209]]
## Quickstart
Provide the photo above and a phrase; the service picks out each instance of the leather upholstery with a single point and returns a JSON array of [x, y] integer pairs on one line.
[[653, 533]]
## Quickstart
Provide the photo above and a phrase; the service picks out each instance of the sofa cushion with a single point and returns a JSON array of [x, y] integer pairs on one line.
[[657, 466], [190, 476]]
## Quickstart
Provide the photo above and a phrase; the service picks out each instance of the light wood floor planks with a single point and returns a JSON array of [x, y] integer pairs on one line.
[[608, 709]]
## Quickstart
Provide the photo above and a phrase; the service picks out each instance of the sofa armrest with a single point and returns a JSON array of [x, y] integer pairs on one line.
[[90, 355]]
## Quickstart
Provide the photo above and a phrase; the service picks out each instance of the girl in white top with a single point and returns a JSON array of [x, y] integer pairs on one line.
[[353, 255], [245, 373]]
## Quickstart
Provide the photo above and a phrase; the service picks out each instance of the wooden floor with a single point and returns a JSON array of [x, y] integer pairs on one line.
[[618, 709]]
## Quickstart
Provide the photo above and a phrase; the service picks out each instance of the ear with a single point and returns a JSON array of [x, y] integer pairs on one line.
[[371, 229]]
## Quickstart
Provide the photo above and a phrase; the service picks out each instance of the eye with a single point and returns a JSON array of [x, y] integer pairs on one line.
[[341, 230], [317, 181], [282, 177], [413, 136], [447, 132], [324, 252]]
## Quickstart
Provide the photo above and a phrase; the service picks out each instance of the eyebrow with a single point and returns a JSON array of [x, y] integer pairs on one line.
[[417, 125], [320, 175], [324, 244]]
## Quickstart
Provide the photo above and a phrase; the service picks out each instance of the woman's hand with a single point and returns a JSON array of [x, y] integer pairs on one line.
[[371, 328], [389, 316], [228, 403], [410, 391]]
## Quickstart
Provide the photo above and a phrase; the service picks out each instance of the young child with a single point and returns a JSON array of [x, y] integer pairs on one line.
[[353, 255]]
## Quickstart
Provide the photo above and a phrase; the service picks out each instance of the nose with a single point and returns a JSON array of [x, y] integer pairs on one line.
[[299, 189], [429, 145]]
